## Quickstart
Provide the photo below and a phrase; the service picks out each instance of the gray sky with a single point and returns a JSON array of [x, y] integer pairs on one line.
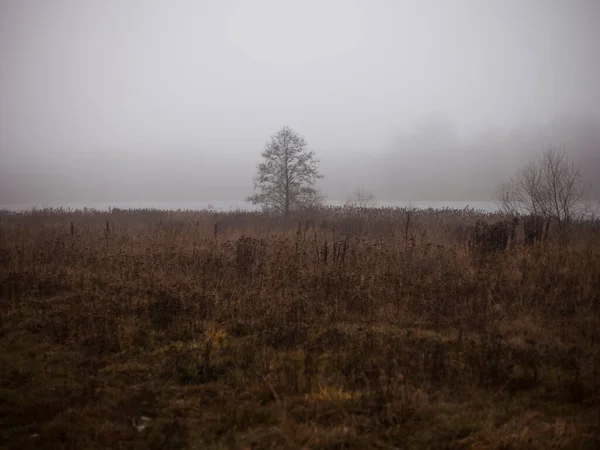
[[106, 100]]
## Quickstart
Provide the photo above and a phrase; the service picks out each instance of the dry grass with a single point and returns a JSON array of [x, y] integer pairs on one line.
[[156, 329]]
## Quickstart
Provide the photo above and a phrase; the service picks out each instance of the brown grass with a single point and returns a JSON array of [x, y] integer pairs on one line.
[[157, 329]]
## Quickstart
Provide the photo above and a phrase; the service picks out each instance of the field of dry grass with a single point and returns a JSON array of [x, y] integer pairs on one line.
[[339, 329]]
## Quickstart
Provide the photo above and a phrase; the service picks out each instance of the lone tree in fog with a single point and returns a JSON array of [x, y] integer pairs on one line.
[[549, 188], [285, 180]]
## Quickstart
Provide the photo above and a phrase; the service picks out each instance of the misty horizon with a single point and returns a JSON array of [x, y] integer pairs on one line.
[[159, 101]]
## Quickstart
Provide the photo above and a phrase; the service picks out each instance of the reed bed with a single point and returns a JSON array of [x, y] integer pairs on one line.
[[334, 328]]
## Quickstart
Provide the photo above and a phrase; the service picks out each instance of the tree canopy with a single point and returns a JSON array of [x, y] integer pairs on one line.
[[286, 178]]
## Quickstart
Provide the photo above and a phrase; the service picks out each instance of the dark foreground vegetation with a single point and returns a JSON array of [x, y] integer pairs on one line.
[[340, 329]]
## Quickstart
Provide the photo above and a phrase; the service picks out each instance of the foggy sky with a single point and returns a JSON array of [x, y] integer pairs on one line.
[[124, 100]]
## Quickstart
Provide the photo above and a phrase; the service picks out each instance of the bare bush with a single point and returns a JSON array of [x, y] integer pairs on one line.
[[548, 189], [362, 200], [493, 237]]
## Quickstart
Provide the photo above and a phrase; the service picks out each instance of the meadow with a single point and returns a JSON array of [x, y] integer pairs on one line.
[[337, 328]]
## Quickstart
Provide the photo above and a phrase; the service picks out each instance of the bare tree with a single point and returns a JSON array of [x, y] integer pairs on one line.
[[362, 199], [549, 187], [285, 180]]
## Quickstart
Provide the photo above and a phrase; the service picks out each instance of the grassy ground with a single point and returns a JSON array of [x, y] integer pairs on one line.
[[148, 329]]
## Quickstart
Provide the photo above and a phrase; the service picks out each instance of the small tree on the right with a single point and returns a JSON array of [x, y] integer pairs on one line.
[[362, 200], [547, 189]]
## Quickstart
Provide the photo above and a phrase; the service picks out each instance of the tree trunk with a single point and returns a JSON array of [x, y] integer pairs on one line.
[[286, 211]]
